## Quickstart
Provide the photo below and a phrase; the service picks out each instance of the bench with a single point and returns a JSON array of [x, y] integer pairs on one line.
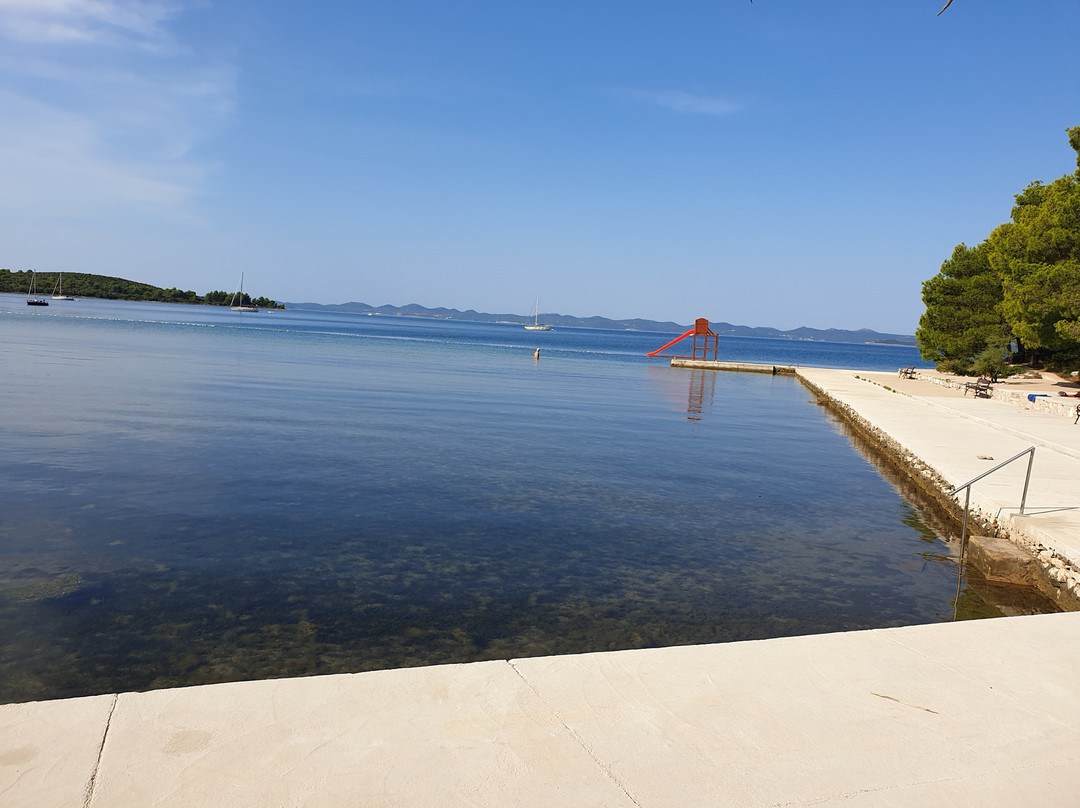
[[980, 388], [907, 373]]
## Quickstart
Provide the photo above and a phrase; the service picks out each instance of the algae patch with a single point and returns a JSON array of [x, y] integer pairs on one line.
[[55, 586]]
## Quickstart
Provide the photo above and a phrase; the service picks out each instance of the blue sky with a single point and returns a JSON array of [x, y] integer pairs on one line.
[[780, 163]]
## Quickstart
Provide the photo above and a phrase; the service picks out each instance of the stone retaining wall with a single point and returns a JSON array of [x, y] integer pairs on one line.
[[1051, 574], [1060, 405]]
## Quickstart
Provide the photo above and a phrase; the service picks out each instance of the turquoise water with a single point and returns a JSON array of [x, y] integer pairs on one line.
[[194, 495]]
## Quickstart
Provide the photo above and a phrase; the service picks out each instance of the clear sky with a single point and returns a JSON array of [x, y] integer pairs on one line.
[[780, 163]]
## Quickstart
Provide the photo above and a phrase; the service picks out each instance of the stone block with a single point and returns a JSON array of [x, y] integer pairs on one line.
[[1001, 560]]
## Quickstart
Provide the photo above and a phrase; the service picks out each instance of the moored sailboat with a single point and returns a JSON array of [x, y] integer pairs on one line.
[[536, 325], [240, 293], [58, 290], [31, 300]]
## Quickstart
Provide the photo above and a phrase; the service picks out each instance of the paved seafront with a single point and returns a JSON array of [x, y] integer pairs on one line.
[[981, 713], [959, 437]]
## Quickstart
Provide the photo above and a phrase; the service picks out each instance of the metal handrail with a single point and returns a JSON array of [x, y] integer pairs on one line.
[[1030, 451]]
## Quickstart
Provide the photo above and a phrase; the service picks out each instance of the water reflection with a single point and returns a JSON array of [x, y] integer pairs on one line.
[[702, 390]]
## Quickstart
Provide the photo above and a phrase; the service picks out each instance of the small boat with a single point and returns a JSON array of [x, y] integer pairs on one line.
[[30, 299], [240, 293], [58, 292], [536, 325]]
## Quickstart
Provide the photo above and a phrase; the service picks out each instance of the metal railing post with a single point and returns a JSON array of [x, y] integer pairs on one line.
[[1030, 452], [963, 530], [1027, 479]]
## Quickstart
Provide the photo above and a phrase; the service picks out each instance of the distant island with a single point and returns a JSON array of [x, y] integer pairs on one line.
[[83, 284], [863, 335]]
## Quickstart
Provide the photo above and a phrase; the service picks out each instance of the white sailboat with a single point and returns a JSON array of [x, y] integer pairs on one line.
[[58, 291], [240, 293], [536, 325]]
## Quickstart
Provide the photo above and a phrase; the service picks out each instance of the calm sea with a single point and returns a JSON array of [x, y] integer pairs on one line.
[[195, 495]]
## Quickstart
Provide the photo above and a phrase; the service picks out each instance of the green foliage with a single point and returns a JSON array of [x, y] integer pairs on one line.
[[959, 367], [1020, 287], [991, 362], [1038, 257], [80, 284], [962, 302]]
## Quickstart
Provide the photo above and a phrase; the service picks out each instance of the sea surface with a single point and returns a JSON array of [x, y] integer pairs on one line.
[[195, 495]]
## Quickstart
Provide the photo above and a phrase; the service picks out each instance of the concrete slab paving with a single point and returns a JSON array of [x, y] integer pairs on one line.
[[821, 720], [996, 655], [49, 751], [446, 735], [976, 713]]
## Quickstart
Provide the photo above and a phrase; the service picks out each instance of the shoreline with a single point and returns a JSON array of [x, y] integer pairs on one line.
[[929, 439]]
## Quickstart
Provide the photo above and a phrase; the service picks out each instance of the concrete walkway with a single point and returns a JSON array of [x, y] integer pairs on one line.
[[959, 437], [982, 713]]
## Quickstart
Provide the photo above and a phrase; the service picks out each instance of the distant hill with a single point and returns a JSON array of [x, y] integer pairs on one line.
[[83, 284], [567, 321]]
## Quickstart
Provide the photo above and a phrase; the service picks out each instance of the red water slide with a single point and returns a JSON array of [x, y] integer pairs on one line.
[[684, 336]]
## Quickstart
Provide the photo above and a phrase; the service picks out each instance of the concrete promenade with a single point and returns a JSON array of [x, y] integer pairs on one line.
[[958, 437], [981, 713]]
